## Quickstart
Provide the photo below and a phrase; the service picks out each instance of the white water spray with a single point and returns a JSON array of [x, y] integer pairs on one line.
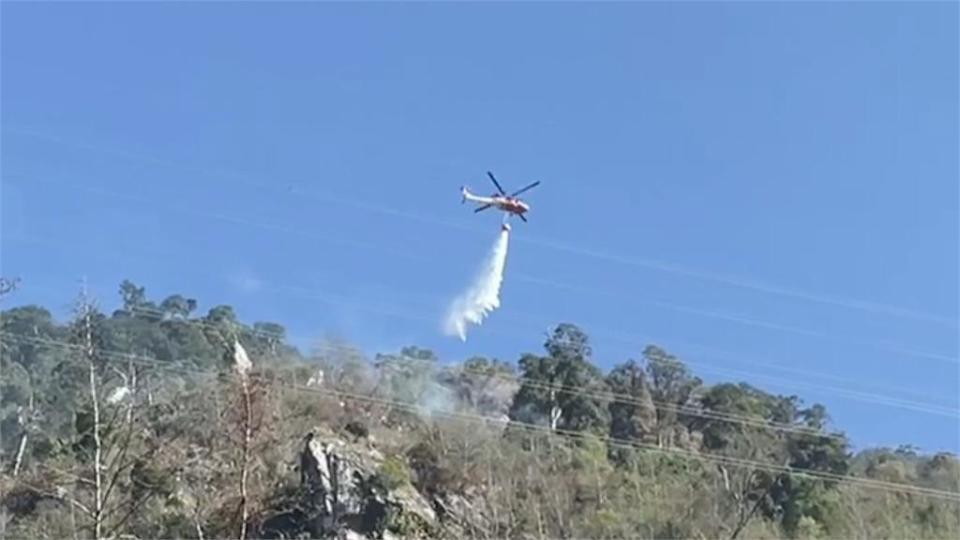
[[484, 295]]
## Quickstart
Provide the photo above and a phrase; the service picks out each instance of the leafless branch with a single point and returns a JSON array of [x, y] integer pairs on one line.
[[90, 355]]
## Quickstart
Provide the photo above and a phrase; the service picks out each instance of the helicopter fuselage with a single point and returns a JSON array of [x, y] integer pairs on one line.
[[512, 205]]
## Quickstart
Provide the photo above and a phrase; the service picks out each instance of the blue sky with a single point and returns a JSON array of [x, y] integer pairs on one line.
[[768, 190]]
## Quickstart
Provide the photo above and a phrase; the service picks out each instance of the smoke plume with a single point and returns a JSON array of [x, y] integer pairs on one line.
[[474, 304]]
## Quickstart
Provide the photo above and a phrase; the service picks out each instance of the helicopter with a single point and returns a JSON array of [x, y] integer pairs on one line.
[[510, 204]]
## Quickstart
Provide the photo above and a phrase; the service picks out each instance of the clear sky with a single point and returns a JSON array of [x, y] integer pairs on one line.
[[769, 190]]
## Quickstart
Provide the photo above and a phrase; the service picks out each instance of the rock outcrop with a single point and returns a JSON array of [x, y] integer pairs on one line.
[[343, 494]]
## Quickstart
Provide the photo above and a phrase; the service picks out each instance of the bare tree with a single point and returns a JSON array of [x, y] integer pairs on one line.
[[243, 412], [242, 365], [111, 491], [6, 287], [85, 312]]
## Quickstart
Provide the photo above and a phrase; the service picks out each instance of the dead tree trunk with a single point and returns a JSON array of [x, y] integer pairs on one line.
[[97, 443], [245, 458], [20, 451]]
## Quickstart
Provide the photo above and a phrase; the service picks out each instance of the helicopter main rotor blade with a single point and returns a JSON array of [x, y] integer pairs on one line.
[[521, 190], [490, 174], [522, 217], [482, 208]]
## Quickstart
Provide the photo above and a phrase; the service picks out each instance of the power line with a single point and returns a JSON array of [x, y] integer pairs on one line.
[[523, 381], [636, 341], [840, 391], [896, 487], [863, 396], [737, 282], [337, 239], [834, 390], [865, 482], [737, 319], [600, 395], [853, 394]]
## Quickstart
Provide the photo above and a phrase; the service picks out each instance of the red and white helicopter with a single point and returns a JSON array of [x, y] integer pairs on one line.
[[510, 204]]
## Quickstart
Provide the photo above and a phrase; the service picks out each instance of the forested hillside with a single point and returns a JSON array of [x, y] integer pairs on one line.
[[154, 421]]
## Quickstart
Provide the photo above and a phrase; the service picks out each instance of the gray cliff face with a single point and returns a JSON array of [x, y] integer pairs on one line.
[[343, 494]]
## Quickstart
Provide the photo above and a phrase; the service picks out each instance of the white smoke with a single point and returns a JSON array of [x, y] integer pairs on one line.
[[484, 295]]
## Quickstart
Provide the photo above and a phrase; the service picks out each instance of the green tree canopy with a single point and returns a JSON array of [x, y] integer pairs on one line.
[[563, 389]]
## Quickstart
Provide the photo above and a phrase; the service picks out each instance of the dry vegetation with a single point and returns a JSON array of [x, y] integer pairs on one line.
[[149, 423]]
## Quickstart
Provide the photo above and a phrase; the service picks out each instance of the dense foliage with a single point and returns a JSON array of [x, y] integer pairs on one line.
[[154, 421]]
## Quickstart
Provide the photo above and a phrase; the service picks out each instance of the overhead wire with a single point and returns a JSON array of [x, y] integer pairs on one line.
[[737, 319], [687, 410], [338, 239], [951, 496], [681, 409], [857, 395], [928, 408], [840, 391], [793, 471], [749, 284], [686, 309], [881, 399]]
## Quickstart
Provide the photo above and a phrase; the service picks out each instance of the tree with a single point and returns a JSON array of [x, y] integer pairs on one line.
[[735, 427], [35, 408], [34, 333], [671, 386], [186, 454], [190, 343], [804, 498], [29, 354], [271, 332], [749, 424], [266, 340], [942, 471], [221, 316], [562, 389], [132, 295], [91, 415], [405, 375], [633, 415], [738, 409], [339, 365], [481, 384], [248, 423], [136, 304], [405, 378], [177, 307]]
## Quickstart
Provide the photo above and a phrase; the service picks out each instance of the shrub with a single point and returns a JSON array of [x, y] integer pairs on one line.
[[393, 473]]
